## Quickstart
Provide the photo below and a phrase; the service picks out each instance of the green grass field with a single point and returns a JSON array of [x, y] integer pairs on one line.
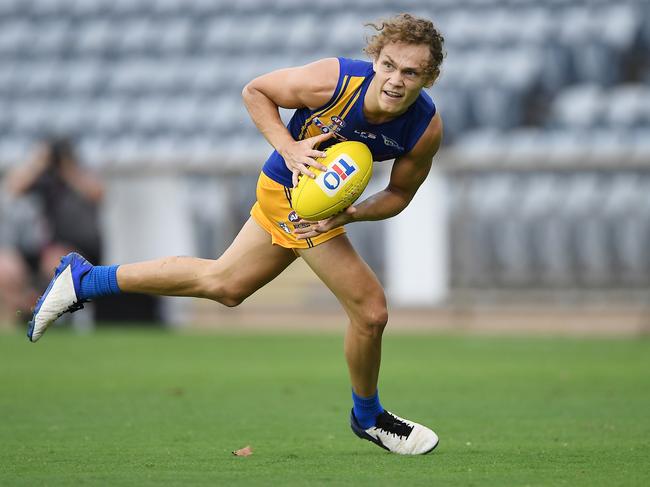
[[155, 408]]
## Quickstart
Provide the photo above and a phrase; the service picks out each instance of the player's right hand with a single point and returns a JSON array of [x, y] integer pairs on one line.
[[311, 229], [301, 155]]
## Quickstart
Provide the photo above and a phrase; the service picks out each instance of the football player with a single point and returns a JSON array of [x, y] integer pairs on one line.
[[380, 103]]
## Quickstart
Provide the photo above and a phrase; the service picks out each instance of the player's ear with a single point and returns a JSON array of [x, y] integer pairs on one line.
[[375, 62], [432, 79]]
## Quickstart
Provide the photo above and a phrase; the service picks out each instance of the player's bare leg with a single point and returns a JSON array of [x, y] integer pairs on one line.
[[358, 290], [250, 262]]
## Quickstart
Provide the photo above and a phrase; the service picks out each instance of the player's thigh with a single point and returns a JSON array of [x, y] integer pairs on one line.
[[349, 277], [252, 260]]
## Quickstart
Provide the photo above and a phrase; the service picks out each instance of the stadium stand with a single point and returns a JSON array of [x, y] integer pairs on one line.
[[546, 107], [69, 63]]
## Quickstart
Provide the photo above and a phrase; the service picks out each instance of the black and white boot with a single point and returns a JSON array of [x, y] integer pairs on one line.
[[397, 435]]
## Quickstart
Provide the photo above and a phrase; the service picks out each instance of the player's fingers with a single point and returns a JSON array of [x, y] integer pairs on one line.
[[317, 139], [309, 222], [302, 230], [322, 228], [294, 177], [304, 169], [307, 231], [315, 155], [303, 236]]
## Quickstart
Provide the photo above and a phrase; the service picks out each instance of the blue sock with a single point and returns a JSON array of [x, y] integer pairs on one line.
[[366, 409], [101, 280]]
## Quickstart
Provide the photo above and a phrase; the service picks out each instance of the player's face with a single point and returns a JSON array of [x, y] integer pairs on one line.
[[400, 76]]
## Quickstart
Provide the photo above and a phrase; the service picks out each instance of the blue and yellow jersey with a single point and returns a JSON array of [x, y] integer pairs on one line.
[[343, 114]]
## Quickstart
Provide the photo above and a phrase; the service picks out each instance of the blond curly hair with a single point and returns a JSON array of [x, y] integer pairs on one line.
[[411, 30]]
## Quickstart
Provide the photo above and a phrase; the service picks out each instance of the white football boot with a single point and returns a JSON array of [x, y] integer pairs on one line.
[[397, 435], [60, 295]]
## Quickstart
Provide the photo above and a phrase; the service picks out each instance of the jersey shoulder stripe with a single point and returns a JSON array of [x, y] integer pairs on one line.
[[352, 74], [341, 87], [343, 104]]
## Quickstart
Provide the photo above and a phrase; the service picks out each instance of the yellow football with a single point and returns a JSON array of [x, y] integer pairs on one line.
[[349, 167]]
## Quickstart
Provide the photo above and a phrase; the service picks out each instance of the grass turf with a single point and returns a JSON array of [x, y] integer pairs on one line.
[[156, 408]]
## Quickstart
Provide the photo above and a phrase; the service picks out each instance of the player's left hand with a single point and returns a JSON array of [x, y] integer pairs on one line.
[[314, 229]]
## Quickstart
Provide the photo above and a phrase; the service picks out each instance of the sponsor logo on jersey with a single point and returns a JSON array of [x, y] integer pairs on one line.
[[336, 125], [294, 218], [365, 135], [323, 128], [284, 227], [391, 143], [337, 175]]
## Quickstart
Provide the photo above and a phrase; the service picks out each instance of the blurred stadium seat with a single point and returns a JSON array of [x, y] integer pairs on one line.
[[502, 56], [532, 93]]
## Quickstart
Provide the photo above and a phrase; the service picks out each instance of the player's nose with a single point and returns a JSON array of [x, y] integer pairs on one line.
[[396, 80]]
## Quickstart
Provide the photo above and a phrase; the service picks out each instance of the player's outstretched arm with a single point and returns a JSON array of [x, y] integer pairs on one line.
[[408, 173], [309, 86]]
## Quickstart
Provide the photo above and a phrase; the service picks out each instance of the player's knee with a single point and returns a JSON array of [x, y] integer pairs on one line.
[[373, 316], [228, 294], [376, 320], [218, 284], [232, 300]]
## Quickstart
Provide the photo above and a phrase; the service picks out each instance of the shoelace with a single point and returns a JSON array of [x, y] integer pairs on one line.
[[75, 307], [72, 308], [391, 425]]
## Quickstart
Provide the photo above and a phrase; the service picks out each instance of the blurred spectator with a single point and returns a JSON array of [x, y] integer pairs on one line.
[[50, 207]]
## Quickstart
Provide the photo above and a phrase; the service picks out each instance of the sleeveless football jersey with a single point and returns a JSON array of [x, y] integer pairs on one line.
[[343, 114]]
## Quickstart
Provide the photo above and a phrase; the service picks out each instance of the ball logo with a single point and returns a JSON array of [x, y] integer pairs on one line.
[[337, 175]]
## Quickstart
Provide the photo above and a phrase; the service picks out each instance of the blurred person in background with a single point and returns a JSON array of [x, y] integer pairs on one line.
[[50, 207], [380, 103]]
